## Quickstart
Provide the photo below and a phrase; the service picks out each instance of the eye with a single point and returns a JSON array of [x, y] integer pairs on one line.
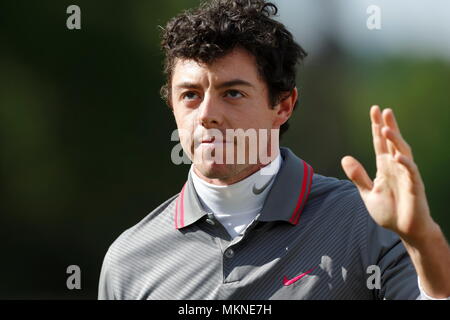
[[190, 95], [234, 94]]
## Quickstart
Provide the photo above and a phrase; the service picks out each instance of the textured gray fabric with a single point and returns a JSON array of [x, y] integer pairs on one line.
[[309, 223]]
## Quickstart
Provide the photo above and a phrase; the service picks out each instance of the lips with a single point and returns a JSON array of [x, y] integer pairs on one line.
[[213, 140], [209, 140]]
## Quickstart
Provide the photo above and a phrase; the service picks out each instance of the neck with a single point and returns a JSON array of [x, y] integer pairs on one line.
[[245, 196], [250, 170]]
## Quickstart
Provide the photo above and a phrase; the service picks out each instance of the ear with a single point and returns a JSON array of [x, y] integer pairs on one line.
[[285, 108]]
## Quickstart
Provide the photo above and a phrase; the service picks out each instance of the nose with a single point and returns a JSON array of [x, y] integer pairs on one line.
[[209, 114]]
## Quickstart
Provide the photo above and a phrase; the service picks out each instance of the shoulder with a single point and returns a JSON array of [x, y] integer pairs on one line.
[[123, 263], [337, 204], [334, 191], [160, 218], [134, 245]]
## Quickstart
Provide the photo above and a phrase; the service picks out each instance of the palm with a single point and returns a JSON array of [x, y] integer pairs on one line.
[[395, 198]]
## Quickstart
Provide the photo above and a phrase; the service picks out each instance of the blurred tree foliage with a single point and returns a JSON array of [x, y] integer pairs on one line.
[[85, 138]]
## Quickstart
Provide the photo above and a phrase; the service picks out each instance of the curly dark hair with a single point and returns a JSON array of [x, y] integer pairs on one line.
[[216, 27]]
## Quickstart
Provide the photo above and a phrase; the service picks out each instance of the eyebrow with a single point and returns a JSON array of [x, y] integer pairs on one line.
[[226, 84], [234, 82]]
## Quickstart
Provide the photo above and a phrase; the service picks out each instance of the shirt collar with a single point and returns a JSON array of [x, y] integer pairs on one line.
[[284, 202]]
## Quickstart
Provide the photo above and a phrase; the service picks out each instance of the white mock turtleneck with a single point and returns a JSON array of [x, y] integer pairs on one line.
[[236, 205]]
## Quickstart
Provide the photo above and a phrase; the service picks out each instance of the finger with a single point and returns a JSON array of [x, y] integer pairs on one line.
[[412, 169], [389, 119], [356, 173], [400, 144], [397, 141], [390, 146], [379, 142]]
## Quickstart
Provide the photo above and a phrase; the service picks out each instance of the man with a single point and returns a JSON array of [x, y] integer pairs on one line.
[[267, 226]]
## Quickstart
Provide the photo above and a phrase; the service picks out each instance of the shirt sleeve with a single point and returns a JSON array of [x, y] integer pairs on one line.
[[386, 252], [424, 296], [105, 286]]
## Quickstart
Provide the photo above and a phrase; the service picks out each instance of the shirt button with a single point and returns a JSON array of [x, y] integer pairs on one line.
[[229, 253], [211, 221]]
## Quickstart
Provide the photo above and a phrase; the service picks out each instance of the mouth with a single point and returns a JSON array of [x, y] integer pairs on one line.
[[209, 140], [213, 140]]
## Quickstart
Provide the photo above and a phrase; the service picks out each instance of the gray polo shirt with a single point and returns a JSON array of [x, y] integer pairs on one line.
[[313, 239]]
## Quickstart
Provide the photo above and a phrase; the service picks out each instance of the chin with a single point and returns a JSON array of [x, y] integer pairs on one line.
[[215, 171]]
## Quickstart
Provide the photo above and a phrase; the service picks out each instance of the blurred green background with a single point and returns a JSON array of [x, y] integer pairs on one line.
[[85, 138]]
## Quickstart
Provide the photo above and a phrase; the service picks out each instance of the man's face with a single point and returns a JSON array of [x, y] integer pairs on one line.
[[227, 94]]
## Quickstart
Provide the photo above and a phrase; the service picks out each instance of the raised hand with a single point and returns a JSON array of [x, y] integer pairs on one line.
[[396, 198]]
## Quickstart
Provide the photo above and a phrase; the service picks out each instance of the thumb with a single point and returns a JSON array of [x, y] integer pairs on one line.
[[356, 173]]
